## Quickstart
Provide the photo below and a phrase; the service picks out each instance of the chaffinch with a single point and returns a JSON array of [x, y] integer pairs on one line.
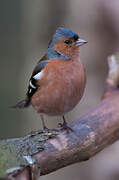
[[58, 80]]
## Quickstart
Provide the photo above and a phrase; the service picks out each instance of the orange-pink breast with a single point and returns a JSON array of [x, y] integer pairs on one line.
[[61, 87]]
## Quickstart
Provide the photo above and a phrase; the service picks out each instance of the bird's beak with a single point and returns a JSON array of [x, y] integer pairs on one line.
[[80, 42]]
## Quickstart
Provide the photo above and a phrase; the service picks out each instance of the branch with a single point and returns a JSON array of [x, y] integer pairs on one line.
[[45, 152]]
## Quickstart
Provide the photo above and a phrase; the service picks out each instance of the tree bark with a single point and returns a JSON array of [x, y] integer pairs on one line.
[[45, 152]]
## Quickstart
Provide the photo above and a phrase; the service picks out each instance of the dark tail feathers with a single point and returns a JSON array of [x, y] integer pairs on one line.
[[22, 104]]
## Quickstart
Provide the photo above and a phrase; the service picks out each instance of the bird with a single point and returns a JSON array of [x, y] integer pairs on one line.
[[58, 80]]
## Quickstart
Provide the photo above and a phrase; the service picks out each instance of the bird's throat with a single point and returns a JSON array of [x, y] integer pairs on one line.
[[52, 54]]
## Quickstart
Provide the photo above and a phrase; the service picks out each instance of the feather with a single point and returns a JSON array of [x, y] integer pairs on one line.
[[22, 104]]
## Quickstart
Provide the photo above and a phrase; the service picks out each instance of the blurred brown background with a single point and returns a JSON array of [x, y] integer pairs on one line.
[[25, 30]]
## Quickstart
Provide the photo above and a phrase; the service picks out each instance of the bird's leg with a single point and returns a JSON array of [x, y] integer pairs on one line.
[[64, 121], [45, 127], [34, 133], [43, 123], [65, 125]]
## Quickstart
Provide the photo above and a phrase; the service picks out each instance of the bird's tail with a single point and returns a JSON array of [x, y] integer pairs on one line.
[[22, 104]]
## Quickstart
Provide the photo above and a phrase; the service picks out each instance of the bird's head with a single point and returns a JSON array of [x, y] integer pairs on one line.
[[66, 43]]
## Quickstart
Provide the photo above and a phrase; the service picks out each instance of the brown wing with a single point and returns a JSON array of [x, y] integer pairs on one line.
[[32, 88]]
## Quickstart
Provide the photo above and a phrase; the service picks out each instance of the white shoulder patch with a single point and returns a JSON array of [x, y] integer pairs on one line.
[[39, 75], [30, 83]]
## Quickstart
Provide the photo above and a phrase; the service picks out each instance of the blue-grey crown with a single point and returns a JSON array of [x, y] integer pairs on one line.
[[59, 34], [63, 33]]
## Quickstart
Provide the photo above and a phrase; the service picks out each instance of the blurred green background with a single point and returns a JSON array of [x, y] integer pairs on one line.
[[25, 30]]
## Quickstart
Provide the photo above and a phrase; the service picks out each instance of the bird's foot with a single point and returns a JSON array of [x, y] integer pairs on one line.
[[45, 129], [65, 126], [35, 133]]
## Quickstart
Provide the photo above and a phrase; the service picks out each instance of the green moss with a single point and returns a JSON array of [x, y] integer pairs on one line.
[[8, 160], [13, 152]]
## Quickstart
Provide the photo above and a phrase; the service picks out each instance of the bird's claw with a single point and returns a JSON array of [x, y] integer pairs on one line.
[[65, 126]]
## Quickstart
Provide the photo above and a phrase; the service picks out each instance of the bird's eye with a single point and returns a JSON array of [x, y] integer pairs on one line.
[[68, 42]]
